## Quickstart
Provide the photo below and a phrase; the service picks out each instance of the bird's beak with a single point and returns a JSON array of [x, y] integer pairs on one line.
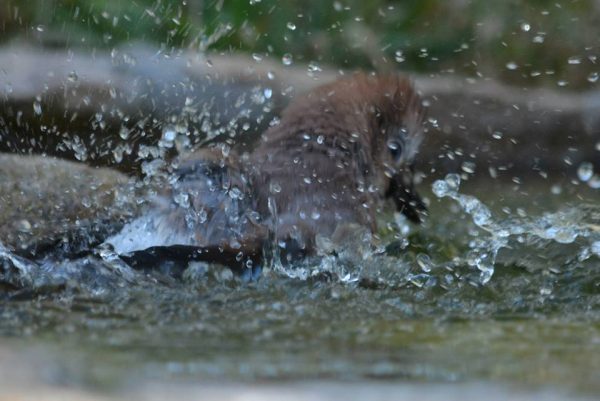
[[407, 200]]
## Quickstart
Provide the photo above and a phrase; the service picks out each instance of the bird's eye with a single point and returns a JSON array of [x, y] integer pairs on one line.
[[395, 148]]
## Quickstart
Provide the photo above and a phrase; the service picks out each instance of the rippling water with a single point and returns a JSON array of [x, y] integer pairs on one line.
[[501, 283]]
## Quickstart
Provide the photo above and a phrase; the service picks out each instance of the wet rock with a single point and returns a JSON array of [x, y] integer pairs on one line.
[[99, 108], [48, 204], [498, 130]]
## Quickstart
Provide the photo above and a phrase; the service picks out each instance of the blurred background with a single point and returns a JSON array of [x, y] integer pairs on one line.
[[522, 42]]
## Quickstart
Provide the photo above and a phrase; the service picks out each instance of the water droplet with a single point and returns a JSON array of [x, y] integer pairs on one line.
[[169, 134], [257, 57], [593, 77], [468, 167], [274, 187], [313, 67], [287, 59], [563, 235], [480, 213], [79, 149], [512, 65], [117, 154], [23, 226], [182, 199], [202, 216], [37, 108], [440, 188], [424, 262], [453, 181], [574, 60], [584, 254], [225, 150], [236, 193], [399, 56], [585, 171], [538, 39], [594, 182], [124, 133], [291, 26], [72, 76], [487, 271], [393, 145], [525, 27], [418, 280], [268, 92]]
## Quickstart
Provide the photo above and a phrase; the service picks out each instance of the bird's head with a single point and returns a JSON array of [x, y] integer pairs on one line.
[[395, 115]]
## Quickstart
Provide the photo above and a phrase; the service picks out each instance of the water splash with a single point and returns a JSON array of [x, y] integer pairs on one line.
[[344, 257], [564, 227]]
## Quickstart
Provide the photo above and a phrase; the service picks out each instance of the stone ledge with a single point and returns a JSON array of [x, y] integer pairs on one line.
[[514, 131]]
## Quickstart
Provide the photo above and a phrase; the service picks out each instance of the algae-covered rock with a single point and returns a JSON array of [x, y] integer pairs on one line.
[[51, 204]]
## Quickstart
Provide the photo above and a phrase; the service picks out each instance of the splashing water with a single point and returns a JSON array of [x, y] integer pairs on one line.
[[563, 227]]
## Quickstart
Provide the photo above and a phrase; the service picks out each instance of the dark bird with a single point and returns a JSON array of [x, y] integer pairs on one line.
[[337, 154]]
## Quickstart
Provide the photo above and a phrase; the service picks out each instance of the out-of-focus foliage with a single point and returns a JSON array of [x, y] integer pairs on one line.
[[530, 42]]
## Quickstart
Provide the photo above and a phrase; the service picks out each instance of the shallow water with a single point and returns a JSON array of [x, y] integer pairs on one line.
[[418, 308]]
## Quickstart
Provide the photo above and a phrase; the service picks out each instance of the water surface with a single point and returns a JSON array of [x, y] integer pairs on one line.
[[419, 308]]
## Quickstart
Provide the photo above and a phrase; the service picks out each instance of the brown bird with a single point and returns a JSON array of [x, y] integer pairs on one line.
[[336, 155]]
